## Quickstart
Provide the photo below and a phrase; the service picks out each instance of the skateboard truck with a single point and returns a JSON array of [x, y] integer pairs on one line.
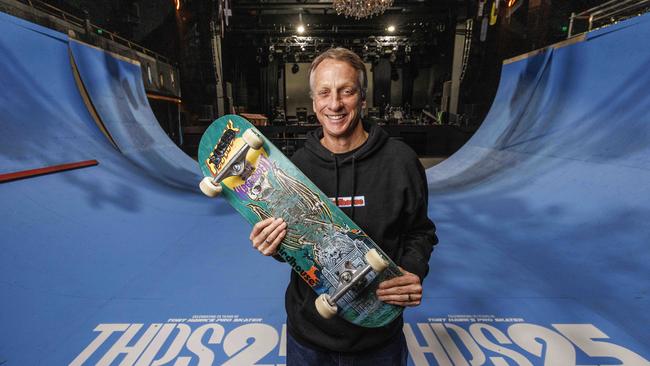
[[236, 166], [326, 304]]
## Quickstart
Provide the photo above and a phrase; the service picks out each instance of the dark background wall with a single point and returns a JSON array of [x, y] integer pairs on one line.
[[259, 43]]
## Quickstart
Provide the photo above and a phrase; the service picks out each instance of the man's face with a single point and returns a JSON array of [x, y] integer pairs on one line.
[[337, 98]]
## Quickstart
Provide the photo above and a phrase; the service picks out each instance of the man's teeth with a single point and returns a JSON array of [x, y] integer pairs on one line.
[[339, 116]]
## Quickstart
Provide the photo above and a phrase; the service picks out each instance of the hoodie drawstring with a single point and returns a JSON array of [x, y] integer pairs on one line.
[[354, 183], [336, 172]]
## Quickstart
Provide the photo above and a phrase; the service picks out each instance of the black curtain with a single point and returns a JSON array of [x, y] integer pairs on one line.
[[269, 87], [409, 73], [381, 84]]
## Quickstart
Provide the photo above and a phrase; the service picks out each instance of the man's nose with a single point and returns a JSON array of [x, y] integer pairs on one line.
[[334, 101]]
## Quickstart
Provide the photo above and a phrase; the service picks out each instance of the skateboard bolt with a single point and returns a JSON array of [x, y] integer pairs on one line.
[[346, 276], [237, 167]]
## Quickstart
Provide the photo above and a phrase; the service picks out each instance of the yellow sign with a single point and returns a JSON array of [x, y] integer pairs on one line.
[[493, 13]]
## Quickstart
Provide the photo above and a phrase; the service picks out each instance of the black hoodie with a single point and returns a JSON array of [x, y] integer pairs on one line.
[[391, 207]]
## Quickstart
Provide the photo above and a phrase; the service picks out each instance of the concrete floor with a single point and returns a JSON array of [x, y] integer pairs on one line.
[[429, 161]]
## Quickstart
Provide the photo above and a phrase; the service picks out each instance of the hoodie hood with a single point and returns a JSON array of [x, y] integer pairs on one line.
[[377, 137]]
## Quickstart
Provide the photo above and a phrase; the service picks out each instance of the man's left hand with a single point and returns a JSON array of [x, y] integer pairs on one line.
[[404, 290]]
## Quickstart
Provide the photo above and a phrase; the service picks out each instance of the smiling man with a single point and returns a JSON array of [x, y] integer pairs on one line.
[[381, 185], [338, 100]]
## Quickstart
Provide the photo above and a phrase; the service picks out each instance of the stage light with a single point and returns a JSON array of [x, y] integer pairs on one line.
[[391, 28], [301, 27]]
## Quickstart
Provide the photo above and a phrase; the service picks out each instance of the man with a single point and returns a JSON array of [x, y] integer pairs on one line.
[[387, 188]]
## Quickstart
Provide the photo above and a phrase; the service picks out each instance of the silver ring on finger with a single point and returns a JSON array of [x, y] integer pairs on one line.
[[267, 241]]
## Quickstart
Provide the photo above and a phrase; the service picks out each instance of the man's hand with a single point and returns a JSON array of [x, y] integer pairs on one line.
[[404, 290], [267, 235]]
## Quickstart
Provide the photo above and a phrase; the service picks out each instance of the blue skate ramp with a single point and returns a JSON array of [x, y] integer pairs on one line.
[[543, 215], [31, 112], [109, 250], [116, 91]]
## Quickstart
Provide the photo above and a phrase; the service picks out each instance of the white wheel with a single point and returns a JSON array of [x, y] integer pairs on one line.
[[376, 261], [324, 308], [208, 188], [252, 139]]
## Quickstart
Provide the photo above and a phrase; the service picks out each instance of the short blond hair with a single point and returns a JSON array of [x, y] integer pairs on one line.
[[347, 56]]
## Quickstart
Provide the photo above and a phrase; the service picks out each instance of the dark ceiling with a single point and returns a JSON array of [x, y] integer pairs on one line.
[[272, 16], [421, 27]]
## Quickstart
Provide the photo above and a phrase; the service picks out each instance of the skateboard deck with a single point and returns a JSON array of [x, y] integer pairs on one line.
[[322, 244]]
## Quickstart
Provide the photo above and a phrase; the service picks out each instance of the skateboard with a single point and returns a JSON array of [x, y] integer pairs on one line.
[[325, 247]]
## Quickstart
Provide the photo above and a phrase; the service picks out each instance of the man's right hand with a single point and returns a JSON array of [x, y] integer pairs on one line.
[[267, 235]]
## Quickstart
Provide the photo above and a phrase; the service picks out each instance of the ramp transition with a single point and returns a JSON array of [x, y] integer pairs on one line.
[[543, 214], [116, 91]]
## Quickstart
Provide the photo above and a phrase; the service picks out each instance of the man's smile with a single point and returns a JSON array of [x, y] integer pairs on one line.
[[335, 116]]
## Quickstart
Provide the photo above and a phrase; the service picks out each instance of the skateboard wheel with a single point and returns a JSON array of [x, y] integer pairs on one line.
[[209, 188], [252, 139], [324, 308], [376, 261]]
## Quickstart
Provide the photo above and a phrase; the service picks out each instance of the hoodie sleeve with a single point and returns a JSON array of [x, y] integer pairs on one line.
[[419, 235]]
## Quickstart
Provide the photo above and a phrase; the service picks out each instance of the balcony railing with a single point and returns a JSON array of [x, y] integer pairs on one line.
[[92, 28], [607, 13]]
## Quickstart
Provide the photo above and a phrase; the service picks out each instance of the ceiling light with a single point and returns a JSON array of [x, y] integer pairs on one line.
[[300, 29]]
